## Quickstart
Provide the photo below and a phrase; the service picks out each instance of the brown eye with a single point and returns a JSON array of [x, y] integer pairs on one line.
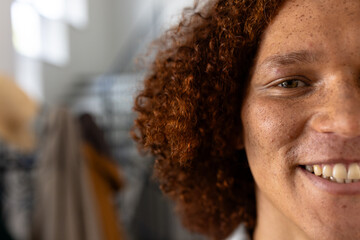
[[292, 84]]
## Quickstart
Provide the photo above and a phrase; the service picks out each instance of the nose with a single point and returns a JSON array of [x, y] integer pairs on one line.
[[339, 112]]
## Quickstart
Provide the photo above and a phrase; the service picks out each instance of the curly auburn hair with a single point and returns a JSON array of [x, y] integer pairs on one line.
[[189, 112]]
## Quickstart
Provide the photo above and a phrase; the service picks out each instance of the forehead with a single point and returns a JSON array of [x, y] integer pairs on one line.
[[318, 26]]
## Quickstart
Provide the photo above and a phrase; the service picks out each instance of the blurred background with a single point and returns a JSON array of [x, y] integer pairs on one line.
[[68, 167]]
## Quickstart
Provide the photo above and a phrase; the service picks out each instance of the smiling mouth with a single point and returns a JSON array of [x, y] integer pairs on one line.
[[338, 172]]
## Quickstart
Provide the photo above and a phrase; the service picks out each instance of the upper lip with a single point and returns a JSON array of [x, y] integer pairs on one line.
[[323, 149], [332, 161]]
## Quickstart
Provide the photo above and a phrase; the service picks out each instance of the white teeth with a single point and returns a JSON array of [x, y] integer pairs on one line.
[[337, 173], [339, 180], [327, 171], [354, 171], [317, 170]]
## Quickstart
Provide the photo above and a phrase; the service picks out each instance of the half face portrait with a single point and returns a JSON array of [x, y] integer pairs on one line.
[[301, 121], [252, 111]]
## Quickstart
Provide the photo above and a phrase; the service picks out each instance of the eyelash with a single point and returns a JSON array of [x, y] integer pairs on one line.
[[291, 86], [285, 83]]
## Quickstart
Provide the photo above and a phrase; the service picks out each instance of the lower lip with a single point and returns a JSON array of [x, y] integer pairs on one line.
[[332, 187]]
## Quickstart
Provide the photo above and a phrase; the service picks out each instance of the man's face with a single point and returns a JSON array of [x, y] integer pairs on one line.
[[303, 109]]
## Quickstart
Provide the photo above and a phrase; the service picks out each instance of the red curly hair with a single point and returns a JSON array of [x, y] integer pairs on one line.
[[189, 112]]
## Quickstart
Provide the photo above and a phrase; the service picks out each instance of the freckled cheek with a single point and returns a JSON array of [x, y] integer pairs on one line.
[[268, 125], [268, 134]]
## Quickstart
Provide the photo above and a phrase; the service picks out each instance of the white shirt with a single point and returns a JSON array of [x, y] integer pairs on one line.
[[239, 234]]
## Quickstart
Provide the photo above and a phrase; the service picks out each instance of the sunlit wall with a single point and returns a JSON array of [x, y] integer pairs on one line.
[[59, 42]]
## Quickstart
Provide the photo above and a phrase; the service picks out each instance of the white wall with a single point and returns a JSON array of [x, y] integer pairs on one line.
[[116, 28], [6, 49], [91, 52], [133, 18]]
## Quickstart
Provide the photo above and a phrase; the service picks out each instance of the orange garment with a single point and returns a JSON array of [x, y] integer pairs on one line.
[[106, 180], [17, 111]]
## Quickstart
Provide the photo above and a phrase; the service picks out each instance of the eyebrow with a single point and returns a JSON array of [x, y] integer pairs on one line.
[[291, 58]]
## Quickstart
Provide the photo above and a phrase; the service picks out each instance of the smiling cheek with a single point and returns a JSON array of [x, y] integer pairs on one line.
[[271, 129]]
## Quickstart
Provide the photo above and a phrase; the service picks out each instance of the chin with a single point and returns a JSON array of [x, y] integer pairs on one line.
[[335, 231]]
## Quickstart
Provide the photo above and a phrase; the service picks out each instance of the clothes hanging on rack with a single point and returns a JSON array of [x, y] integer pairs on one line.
[[93, 134], [64, 206], [17, 202], [105, 176], [106, 181], [142, 206], [17, 112], [16, 190], [4, 231]]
